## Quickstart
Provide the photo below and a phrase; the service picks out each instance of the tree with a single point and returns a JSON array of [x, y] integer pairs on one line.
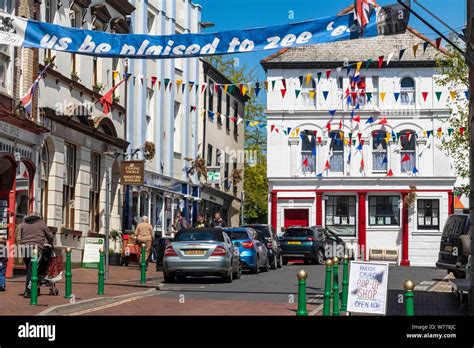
[[454, 75], [255, 173]]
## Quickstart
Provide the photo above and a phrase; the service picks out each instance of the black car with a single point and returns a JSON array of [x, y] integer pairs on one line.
[[311, 244], [272, 243], [455, 245]]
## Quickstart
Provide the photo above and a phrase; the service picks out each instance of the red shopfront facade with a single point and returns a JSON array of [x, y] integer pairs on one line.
[[404, 228], [20, 140]]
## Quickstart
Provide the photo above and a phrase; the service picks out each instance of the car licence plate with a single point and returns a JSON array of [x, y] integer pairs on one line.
[[294, 242], [448, 248], [194, 252]]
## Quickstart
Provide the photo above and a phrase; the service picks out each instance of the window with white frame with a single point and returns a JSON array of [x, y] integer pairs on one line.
[[336, 149], [407, 91], [94, 192], [341, 214], [384, 210], [308, 151], [407, 151], [375, 91], [308, 93], [428, 214], [69, 184], [4, 67], [379, 151]]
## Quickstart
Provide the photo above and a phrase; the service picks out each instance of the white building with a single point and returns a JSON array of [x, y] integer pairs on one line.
[[336, 170], [161, 112], [221, 143], [80, 149]]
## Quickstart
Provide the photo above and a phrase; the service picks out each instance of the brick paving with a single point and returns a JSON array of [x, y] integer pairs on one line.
[[122, 280]]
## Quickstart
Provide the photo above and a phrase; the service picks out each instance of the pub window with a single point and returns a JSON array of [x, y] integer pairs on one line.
[[69, 185], [337, 151], [94, 211], [209, 155], [236, 118], [407, 151], [308, 152], [379, 151], [4, 65], [341, 214], [218, 157], [407, 91], [384, 210], [428, 214], [226, 172]]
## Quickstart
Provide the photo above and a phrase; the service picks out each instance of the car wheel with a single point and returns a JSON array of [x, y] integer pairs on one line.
[[238, 273], [319, 257], [280, 261], [285, 262], [458, 274], [229, 276], [168, 278], [181, 278], [274, 263], [255, 269]]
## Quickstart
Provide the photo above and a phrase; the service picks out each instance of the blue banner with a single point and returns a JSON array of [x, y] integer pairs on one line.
[[29, 33]]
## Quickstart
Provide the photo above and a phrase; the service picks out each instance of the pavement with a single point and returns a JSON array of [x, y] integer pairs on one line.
[[268, 293]]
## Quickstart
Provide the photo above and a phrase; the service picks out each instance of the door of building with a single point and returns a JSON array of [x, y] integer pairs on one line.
[[296, 217]]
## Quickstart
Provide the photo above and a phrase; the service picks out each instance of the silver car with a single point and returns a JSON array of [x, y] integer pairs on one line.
[[201, 252]]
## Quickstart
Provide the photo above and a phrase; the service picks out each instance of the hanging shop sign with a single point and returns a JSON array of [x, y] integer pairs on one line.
[[132, 172], [213, 175], [368, 287], [33, 34]]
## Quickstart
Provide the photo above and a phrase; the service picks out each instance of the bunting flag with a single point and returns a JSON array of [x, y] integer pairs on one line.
[[425, 46], [359, 135], [390, 56], [428, 132], [328, 126], [308, 79], [305, 162], [115, 74], [370, 120], [390, 173], [425, 95], [362, 165], [405, 158], [27, 100], [297, 92], [325, 94], [452, 94], [415, 48], [369, 96], [461, 131], [467, 95], [327, 165], [358, 66], [367, 63], [153, 81], [328, 74], [415, 171], [438, 95], [320, 175], [396, 95], [380, 62], [283, 83], [273, 84], [438, 43], [167, 81], [400, 54], [257, 89], [193, 108], [332, 112], [382, 96], [385, 160], [265, 85], [319, 76], [450, 131], [283, 92], [383, 121], [210, 114]]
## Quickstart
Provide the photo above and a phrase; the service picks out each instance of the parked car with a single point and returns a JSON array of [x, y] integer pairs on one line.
[[201, 252], [272, 242], [311, 244], [455, 245], [253, 252]]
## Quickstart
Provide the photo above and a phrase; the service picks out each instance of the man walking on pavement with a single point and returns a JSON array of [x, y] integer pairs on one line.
[[34, 232], [3, 262], [144, 234], [218, 221]]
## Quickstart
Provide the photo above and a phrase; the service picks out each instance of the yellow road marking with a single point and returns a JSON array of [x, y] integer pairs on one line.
[[110, 305]]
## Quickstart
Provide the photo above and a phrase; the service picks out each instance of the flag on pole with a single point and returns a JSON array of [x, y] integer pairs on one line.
[[362, 12], [27, 101]]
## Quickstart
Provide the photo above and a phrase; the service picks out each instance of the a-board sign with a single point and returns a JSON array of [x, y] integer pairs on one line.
[[132, 172], [368, 287], [91, 256]]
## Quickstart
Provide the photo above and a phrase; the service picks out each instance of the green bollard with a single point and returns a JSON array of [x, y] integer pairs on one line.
[[335, 286], [34, 278], [68, 291], [302, 275], [143, 266], [327, 289], [409, 298], [100, 290], [345, 283]]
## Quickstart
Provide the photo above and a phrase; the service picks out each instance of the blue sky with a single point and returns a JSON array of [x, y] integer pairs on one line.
[[244, 14]]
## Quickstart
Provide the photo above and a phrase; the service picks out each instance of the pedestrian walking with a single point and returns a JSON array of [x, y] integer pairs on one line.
[[180, 223], [144, 234], [34, 233], [3, 262], [218, 221], [200, 222]]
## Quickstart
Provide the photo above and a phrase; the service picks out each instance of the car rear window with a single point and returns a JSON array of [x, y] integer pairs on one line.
[[298, 232], [455, 225], [237, 235], [186, 236], [262, 230]]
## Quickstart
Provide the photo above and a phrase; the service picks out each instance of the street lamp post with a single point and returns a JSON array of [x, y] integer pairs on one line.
[[108, 176], [242, 199]]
